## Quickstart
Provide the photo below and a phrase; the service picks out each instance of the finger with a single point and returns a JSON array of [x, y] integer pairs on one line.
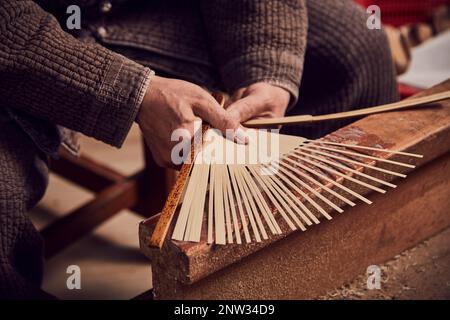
[[238, 94], [241, 135], [210, 111], [238, 135], [220, 119], [247, 108]]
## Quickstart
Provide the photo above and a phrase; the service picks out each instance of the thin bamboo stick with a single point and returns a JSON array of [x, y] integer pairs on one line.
[[366, 148], [345, 159], [294, 120]]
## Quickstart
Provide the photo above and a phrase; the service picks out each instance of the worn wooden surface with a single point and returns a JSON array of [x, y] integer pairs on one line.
[[303, 264]]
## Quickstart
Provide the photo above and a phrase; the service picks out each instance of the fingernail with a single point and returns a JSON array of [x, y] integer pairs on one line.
[[241, 136]]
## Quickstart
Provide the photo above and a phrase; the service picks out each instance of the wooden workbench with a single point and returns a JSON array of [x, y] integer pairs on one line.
[[307, 264]]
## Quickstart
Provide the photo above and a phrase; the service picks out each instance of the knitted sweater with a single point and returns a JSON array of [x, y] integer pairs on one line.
[[50, 77], [48, 74]]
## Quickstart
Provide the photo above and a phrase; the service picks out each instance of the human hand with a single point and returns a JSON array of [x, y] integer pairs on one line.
[[258, 100], [171, 104]]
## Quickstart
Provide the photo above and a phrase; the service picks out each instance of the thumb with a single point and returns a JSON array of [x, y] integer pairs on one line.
[[245, 108], [219, 118]]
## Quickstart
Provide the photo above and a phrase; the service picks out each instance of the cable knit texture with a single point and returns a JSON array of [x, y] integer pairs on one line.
[[94, 80]]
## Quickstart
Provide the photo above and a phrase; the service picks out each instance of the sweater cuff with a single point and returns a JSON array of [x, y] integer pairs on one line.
[[279, 68], [118, 100]]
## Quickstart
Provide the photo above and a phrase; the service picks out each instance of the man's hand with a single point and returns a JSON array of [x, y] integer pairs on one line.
[[171, 104], [259, 100]]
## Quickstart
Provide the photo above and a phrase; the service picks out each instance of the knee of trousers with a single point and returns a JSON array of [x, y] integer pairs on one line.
[[359, 57]]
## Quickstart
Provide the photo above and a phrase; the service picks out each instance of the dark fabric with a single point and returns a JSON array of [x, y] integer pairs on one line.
[[49, 75], [347, 66], [23, 179], [234, 42], [74, 82]]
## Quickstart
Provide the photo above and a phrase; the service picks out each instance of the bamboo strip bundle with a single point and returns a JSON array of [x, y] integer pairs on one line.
[[241, 193]]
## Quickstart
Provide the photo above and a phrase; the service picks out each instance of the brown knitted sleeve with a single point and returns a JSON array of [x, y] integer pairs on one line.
[[48, 74], [255, 41]]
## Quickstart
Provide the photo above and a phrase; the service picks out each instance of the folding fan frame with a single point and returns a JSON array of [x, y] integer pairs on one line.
[[310, 153], [240, 196]]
